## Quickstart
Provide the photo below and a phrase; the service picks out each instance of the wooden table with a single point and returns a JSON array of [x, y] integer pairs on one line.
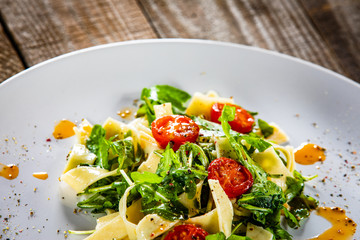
[[325, 32]]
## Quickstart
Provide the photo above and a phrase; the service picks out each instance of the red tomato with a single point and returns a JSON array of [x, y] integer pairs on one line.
[[234, 178], [186, 232], [243, 122], [177, 129]]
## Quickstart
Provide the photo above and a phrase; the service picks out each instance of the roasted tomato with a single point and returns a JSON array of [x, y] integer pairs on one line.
[[234, 178], [243, 122], [176, 129], [186, 232]]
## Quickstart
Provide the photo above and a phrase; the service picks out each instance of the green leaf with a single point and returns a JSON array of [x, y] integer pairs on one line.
[[148, 177], [169, 159], [124, 149], [256, 142], [216, 236], [221, 236], [160, 94], [97, 144], [265, 128]]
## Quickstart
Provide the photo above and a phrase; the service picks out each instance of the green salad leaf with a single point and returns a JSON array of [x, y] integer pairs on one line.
[[160, 94], [265, 128]]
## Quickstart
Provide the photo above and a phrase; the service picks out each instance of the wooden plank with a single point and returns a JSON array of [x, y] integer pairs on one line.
[[279, 25], [339, 24], [10, 63], [46, 28]]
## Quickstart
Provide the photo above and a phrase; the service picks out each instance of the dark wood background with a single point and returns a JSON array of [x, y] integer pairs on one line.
[[325, 32]]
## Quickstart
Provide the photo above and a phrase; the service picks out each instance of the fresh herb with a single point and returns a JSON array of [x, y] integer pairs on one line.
[[265, 128], [97, 144], [221, 236], [160, 94], [123, 150], [300, 204], [265, 199], [176, 174]]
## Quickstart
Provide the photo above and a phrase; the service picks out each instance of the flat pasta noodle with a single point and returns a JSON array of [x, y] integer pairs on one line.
[[144, 135], [279, 136], [200, 104], [113, 127], [163, 110], [270, 161], [193, 202], [226, 214], [151, 163], [83, 131], [79, 154], [81, 177], [152, 226], [130, 215], [208, 221], [109, 227]]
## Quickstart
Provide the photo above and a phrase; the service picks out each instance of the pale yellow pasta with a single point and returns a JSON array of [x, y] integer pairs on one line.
[[258, 233], [270, 161], [163, 110], [208, 221], [278, 136], [79, 154], [81, 177], [152, 225], [109, 227], [130, 215], [144, 135], [193, 202], [83, 131], [151, 163], [200, 104], [113, 127], [224, 206]]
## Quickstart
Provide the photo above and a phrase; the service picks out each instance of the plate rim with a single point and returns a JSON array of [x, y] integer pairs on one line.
[[181, 41]]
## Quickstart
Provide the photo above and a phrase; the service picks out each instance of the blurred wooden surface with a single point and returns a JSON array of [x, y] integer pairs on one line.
[[325, 32]]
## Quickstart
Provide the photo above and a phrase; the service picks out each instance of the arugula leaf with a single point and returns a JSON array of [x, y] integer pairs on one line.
[[124, 149], [300, 204], [216, 236], [221, 236], [190, 153], [177, 173], [160, 94], [265, 199], [256, 142], [97, 144], [168, 160], [227, 115], [148, 177], [265, 128]]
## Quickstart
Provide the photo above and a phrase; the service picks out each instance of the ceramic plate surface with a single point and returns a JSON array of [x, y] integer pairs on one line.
[[309, 102]]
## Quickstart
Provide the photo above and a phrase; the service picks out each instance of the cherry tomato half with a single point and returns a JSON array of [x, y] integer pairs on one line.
[[243, 122], [186, 232], [177, 129], [234, 178]]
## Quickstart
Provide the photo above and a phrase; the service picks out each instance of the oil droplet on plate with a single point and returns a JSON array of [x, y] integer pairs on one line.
[[343, 228], [309, 153], [9, 172], [127, 113], [64, 129], [41, 175]]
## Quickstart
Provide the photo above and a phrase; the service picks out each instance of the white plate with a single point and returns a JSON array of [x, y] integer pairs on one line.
[[307, 101]]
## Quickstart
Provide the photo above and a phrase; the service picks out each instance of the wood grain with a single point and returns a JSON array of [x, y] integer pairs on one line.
[[279, 25], [339, 24], [47, 28], [10, 63]]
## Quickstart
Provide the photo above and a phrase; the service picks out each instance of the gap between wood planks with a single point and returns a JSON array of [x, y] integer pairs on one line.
[[12, 41]]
